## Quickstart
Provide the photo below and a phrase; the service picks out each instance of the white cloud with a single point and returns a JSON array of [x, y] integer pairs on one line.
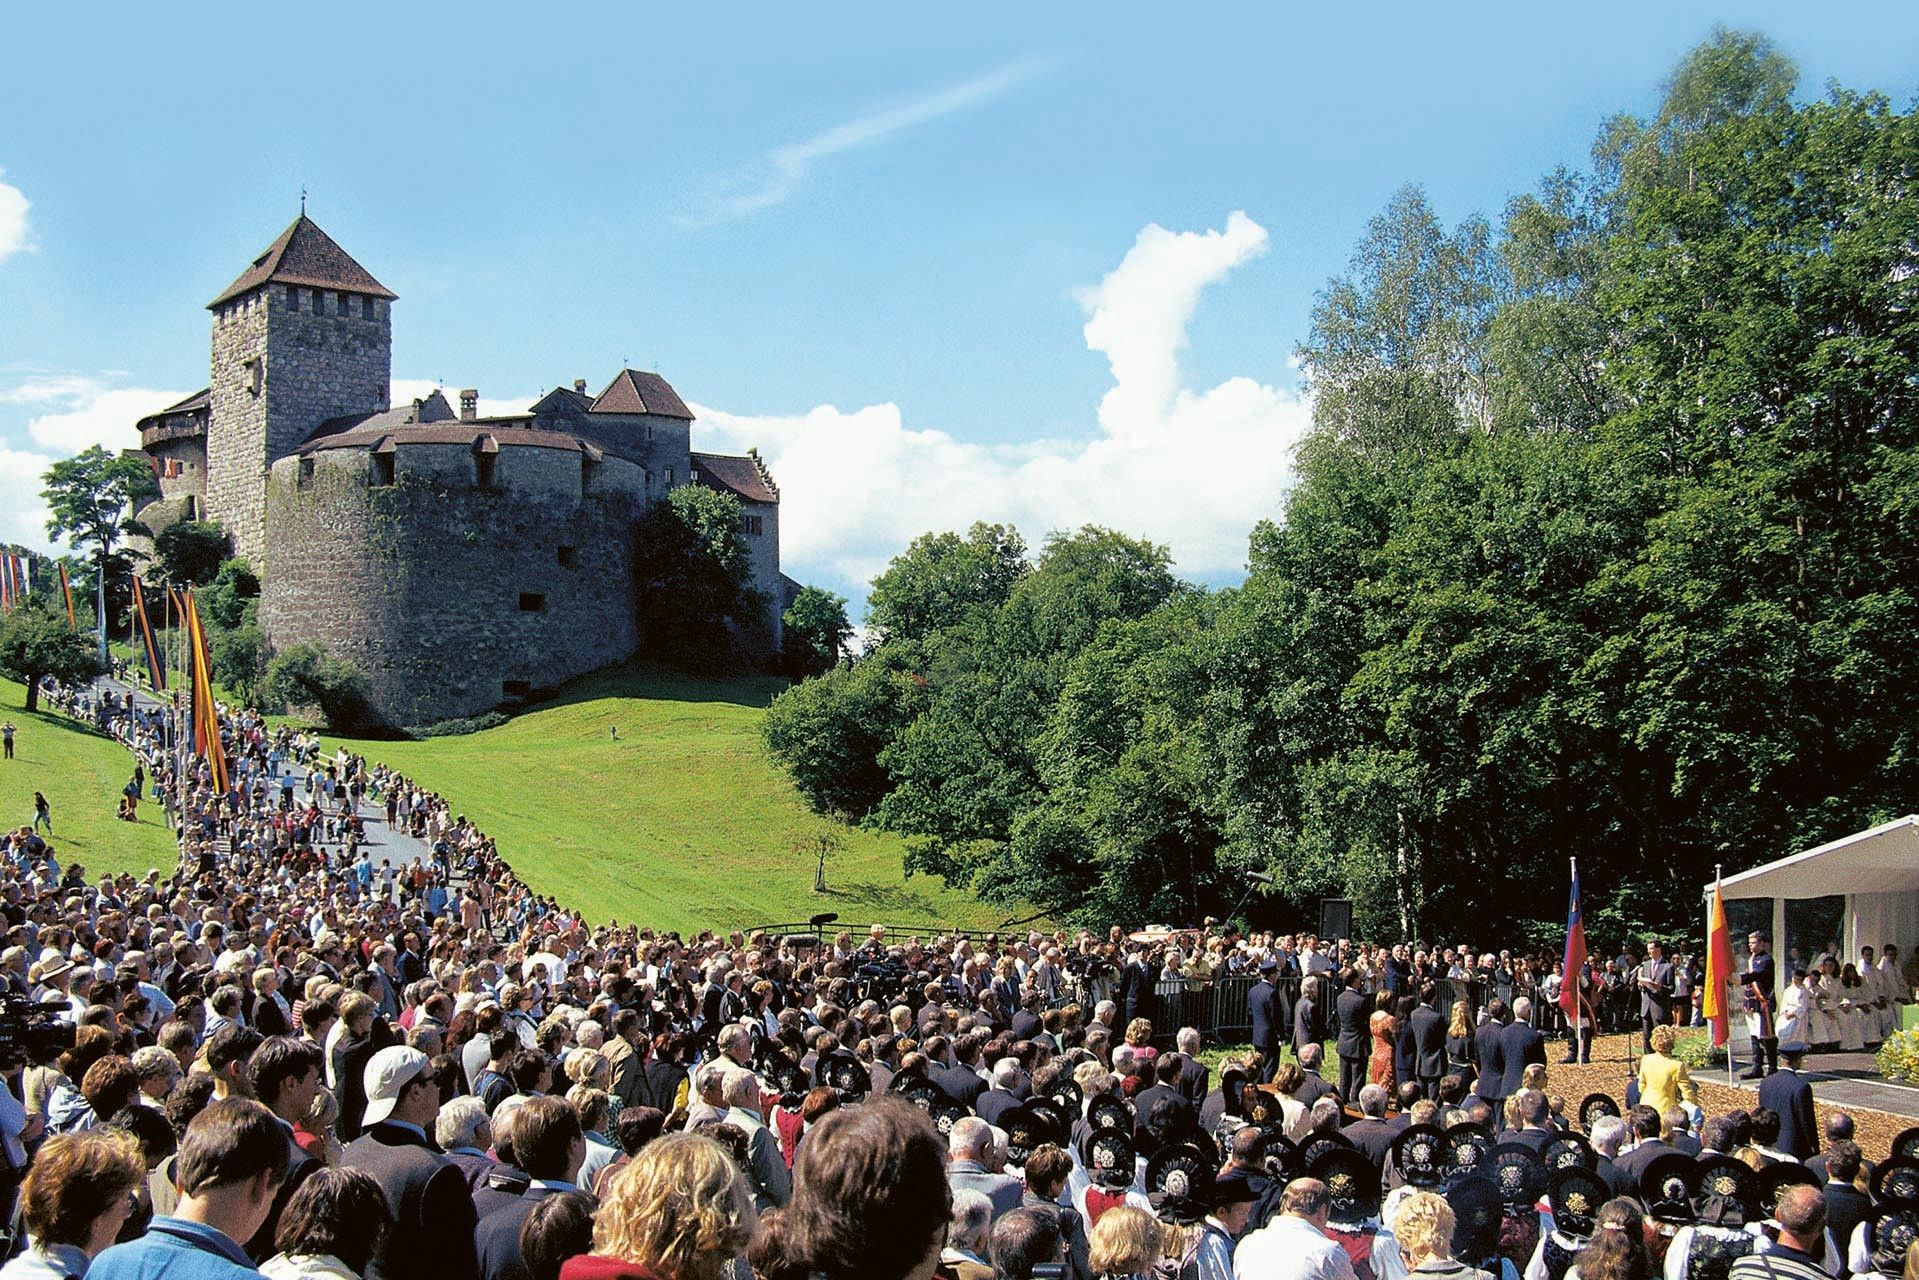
[[407, 390], [1192, 469], [23, 516], [13, 219], [774, 177]]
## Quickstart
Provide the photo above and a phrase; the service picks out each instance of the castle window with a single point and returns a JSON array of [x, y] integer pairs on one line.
[[569, 557], [382, 469], [752, 526], [306, 472], [293, 297], [339, 303], [254, 374], [532, 602], [669, 477], [486, 470], [193, 508]]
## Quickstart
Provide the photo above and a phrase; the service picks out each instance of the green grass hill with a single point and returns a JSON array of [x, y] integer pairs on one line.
[[81, 772], [684, 823]]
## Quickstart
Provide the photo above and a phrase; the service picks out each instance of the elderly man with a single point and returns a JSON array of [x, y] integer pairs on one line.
[[970, 1144], [766, 1168], [1294, 1245]]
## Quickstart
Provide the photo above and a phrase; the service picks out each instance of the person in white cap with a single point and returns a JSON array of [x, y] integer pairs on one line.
[[432, 1207]]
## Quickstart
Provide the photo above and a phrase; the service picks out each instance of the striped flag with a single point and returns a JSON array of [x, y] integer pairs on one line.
[[1575, 953], [156, 669], [66, 589], [206, 722], [1719, 971], [6, 582]]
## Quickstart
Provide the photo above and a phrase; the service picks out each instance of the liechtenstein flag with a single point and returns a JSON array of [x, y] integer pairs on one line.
[[1575, 953]]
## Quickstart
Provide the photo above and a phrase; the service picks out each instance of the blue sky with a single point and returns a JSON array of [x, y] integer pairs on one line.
[[978, 264]]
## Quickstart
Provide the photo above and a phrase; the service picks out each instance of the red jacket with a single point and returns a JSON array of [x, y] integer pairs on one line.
[[590, 1266]]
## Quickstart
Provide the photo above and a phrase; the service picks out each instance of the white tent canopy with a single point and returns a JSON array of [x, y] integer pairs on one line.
[[1876, 870]]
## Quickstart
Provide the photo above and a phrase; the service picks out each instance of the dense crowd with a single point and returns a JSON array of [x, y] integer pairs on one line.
[[286, 1059]]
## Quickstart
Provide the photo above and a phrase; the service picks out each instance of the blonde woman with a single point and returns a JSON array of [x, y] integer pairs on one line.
[[1126, 1243], [1423, 1226], [1139, 1034], [680, 1211]]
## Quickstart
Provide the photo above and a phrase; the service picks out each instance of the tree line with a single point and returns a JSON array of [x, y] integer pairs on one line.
[[1604, 544]]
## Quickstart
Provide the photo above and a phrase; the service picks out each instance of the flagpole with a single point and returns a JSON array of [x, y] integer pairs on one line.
[[1718, 874]]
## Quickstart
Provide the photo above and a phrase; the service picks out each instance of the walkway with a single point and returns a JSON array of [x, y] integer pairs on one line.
[[380, 842], [1846, 1080]]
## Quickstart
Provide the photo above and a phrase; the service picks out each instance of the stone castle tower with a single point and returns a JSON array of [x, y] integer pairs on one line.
[[305, 334]]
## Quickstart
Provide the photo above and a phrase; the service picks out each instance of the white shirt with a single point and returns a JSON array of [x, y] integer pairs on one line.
[[1290, 1248]]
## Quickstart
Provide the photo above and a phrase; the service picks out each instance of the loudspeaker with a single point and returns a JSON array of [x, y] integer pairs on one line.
[[1335, 918]]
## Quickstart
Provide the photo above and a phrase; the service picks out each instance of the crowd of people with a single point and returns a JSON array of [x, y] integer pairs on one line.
[[284, 1059]]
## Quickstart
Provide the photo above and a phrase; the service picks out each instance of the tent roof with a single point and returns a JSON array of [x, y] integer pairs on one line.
[[1884, 859]]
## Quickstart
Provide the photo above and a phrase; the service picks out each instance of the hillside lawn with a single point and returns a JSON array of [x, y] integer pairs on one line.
[[81, 772], [684, 823]]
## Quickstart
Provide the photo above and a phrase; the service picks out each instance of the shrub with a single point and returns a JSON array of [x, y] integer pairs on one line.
[[456, 727], [305, 675], [1899, 1057], [1697, 1052]]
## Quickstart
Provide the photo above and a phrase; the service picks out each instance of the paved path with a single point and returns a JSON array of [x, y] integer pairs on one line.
[[380, 842], [1846, 1080]]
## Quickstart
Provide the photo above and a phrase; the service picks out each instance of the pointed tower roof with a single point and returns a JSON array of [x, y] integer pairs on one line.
[[305, 255], [632, 391]]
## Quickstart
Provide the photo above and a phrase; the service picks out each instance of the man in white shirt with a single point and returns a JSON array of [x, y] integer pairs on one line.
[[1294, 1245]]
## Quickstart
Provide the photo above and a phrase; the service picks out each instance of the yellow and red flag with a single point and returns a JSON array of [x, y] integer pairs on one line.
[[156, 670], [66, 589], [1712, 1005], [206, 718]]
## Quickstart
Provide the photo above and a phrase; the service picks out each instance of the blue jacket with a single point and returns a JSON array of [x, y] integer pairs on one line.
[[175, 1249]]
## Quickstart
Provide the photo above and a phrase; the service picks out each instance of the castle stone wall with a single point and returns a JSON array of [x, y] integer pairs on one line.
[[453, 598]]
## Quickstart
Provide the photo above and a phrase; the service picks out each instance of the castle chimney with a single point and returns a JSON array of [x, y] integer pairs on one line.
[[469, 405], [579, 385]]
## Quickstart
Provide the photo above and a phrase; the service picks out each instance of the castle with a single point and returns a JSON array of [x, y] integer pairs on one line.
[[462, 562]]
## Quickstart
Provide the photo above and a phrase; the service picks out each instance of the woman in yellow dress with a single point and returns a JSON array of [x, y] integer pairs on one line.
[[1664, 1081]]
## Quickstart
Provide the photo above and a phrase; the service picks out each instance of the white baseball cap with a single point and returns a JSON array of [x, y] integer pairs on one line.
[[387, 1075]]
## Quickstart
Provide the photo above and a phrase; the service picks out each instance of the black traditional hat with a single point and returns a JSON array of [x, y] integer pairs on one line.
[[1477, 1216], [1025, 1130], [1066, 1092], [1893, 1227], [1569, 1151], [1109, 1112], [906, 1081], [1595, 1106], [1179, 1182], [790, 1079], [1896, 1179], [1318, 1144], [1352, 1183], [1906, 1145], [946, 1113], [1519, 1174], [1576, 1194], [1058, 1119], [1467, 1146], [1230, 1080], [923, 1093], [1724, 1191], [849, 1078], [1284, 1160], [1419, 1153], [1775, 1178], [1262, 1107], [1110, 1159], [1665, 1187]]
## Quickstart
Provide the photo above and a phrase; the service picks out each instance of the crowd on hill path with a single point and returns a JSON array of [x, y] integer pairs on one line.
[[287, 1058]]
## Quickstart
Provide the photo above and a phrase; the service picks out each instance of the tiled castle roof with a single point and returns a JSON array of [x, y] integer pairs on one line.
[[305, 255], [632, 391], [743, 477]]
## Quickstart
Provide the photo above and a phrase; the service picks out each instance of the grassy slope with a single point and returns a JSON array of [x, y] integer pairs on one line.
[[82, 773], [684, 823]]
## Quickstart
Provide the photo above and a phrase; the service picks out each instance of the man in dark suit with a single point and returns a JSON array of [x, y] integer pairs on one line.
[[1259, 1010], [1788, 1093], [1491, 1080], [1314, 1086], [1166, 1072], [1757, 982], [1655, 993], [1846, 1204], [285, 1074], [1642, 1128], [1195, 1080], [1349, 1013], [433, 1214], [957, 1080], [1519, 1047], [548, 1144], [1838, 1130], [1306, 1017], [1003, 1096], [1135, 987], [1370, 1133], [1429, 1042]]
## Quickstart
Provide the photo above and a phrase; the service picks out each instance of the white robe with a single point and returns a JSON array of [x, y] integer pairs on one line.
[[1792, 1023]]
